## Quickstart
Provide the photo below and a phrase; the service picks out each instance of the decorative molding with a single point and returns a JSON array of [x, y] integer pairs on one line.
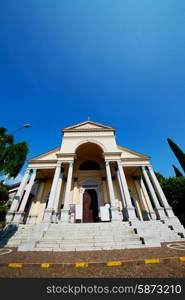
[[97, 126], [42, 161], [78, 134], [132, 159], [72, 155], [89, 140], [133, 152], [43, 154]]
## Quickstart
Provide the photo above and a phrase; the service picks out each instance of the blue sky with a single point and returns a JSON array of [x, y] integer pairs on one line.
[[120, 62]]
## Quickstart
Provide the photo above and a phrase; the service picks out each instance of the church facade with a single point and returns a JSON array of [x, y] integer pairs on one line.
[[86, 177], [90, 179]]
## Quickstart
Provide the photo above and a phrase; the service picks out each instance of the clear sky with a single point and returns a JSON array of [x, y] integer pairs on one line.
[[120, 62]]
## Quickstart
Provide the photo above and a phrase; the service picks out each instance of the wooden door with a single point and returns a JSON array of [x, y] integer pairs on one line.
[[90, 206]]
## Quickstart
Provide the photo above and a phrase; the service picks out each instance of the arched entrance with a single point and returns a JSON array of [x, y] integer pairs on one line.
[[90, 200], [89, 163], [90, 206]]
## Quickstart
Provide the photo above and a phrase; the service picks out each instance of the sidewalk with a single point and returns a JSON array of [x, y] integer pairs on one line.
[[130, 255]]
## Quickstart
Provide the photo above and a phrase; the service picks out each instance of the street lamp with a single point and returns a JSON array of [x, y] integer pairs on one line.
[[24, 126]]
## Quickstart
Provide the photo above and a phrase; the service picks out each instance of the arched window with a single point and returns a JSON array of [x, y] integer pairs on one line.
[[89, 165]]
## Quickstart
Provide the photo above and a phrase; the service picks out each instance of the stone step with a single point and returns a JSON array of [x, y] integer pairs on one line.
[[89, 239], [92, 242], [88, 244], [46, 236]]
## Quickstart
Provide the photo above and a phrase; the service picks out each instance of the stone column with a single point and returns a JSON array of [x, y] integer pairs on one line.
[[20, 214], [74, 201], [124, 205], [18, 197], [104, 191], [57, 197], [49, 210], [65, 210], [159, 210], [160, 193], [34, 214], [114, 210], [152, 213], [75, 190], [145, 211], [129, 206]]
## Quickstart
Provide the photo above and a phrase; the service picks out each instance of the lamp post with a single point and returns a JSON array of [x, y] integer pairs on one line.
[[24, 126]]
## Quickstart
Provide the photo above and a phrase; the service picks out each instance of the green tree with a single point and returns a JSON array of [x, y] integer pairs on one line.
[[174, 190], [178, 153], [177, 172], [12, 156], [4, 203]]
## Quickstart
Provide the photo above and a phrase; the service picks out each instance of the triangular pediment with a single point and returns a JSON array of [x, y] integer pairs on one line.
[[50, 155], [130, 154], [88, 125]]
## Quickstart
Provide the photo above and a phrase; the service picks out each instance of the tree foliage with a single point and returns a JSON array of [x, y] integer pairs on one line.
[[174, 190], [177, 172], [4, 203], [178, 153], [12, 156]]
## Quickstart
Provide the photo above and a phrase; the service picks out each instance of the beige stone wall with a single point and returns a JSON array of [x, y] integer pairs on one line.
[[132, 187], [41, 208]]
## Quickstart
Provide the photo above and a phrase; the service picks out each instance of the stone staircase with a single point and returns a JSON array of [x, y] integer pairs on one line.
[[90, 236], [71, 237], [13, 235], [154, 232]]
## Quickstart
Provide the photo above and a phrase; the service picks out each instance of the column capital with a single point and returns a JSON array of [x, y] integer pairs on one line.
[[107, 162], [143, 168], [58, 164], [119, 162], [71, 163]]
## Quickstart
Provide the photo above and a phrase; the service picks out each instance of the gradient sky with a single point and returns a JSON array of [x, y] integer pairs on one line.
[[120, 62]]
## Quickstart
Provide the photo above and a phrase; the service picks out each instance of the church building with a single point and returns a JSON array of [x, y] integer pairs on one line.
[[91, 184]]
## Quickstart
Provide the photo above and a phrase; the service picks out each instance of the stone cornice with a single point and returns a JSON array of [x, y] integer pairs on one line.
[[59, 155], [88, 130], [133, 159], [112, 153], [37, 161]]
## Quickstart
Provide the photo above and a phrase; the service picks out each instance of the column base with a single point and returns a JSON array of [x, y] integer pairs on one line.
[[161, 213], [153, 215], [131, 214], [116, 215], [169, 212], [55, 217], [18, 217], [9, 217], [146, 215], [64, 216], [32, 219], [47, 216]]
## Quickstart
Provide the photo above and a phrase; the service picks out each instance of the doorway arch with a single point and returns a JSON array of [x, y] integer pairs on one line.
[[90, 184]]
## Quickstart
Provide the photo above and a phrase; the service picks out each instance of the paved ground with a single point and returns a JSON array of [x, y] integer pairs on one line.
[[86, 256], [171, 267], [170, 270]]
